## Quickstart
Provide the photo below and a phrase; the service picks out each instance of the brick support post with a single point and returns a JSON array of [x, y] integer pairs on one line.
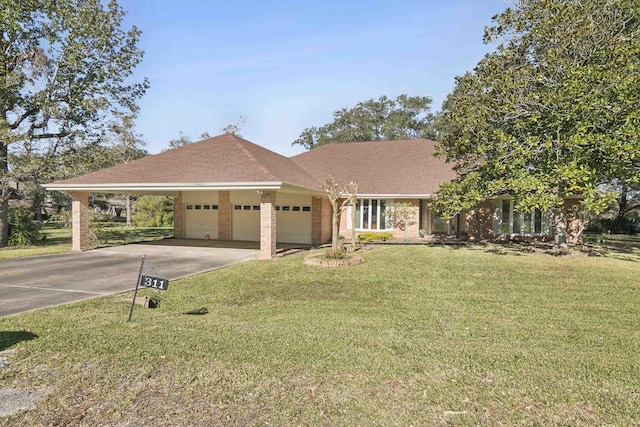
[[79, 221], [178, 217], [224, 215], [316, 221], [267, 224]]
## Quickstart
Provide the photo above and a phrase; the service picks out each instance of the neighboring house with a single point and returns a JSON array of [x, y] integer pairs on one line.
[[228, 188], [14, 193]]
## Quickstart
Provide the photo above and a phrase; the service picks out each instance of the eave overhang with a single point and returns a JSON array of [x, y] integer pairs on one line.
[[174, 187]]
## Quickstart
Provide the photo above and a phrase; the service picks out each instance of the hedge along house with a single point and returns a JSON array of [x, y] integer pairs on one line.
[[227, 188]]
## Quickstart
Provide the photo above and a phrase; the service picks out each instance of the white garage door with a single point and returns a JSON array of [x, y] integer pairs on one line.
[[201, 221], [245, 212], [293, 218]]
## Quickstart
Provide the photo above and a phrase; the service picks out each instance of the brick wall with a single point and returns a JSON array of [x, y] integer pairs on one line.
[[178, 217], [267, 224], [224, 215], [79, 221], [414, 227], [478, 222]]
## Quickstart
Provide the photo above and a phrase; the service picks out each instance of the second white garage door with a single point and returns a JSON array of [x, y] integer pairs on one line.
[[201, 221]]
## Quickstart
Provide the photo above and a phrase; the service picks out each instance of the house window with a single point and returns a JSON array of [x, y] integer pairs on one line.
[[306, 209], [206, 207], [370, 215], [189, 207], [507, 221], [214, 207], [296, 208], [286, 208], [444, 225]]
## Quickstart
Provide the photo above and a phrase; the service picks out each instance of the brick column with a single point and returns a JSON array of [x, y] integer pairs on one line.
[[79, 221], [267, 224], [224, 215], [178, 217], [316, 221]]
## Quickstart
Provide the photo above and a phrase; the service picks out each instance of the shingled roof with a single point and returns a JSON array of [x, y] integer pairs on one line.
[[380, 168], [224, 160], [390, 168]]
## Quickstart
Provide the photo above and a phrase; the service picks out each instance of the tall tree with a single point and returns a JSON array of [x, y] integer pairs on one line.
[[126, 145], [234, 128], [553, 112], [183, 139], [64, 66], [405, 117]]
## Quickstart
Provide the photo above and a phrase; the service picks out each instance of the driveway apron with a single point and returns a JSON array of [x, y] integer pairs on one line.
[[32, 283]]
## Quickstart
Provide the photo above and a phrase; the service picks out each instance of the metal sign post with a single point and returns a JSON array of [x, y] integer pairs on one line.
[[149, 277], [135, 293]]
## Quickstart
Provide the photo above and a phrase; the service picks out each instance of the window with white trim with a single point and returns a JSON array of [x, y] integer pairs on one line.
[[370, 215], [507, 221]]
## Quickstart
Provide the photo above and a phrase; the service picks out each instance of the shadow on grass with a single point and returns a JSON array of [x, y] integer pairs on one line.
[[11, 338], [198, 311]]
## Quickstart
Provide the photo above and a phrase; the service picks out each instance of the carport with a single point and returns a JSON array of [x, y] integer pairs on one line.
[[223, 188]]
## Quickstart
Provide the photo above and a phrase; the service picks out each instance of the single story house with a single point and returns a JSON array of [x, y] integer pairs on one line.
[[228, 188]]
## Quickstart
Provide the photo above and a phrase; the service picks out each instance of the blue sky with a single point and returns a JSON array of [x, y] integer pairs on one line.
[[288, 65]]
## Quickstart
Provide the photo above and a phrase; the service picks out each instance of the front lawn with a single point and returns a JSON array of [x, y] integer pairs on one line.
[[413, 336]]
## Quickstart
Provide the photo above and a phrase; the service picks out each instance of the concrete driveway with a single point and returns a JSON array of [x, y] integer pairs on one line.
[[28, 284]]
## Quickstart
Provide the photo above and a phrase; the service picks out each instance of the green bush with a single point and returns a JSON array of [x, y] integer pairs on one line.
[[24, 231], [372, 236], [153, 211], [329, 254]]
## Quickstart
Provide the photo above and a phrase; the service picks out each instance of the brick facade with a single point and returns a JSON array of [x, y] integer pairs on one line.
[[412, 230], [320, 220], [224, 215], [79, 221], [478, 222], [178, 217], [267, 224]]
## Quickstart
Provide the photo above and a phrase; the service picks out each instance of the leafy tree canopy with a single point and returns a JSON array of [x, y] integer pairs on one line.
[[405, 117], [554, 111], [65, 65]]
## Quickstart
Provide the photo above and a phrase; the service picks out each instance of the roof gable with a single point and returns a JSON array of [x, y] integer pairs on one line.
[[222, 159]]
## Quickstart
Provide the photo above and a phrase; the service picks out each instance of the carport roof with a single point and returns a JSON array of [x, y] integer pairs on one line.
[[224, 161]]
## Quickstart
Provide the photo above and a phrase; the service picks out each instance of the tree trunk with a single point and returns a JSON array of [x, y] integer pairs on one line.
[[560, 228], [4, 196], [335, 231], [353, 226], [128, 204]]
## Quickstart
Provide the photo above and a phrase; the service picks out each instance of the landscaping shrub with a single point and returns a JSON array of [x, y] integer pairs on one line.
[[24, 230], [330, 254], [371, 236]]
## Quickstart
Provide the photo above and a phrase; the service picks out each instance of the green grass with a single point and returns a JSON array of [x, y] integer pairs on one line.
[[58, 240], [413, 336]]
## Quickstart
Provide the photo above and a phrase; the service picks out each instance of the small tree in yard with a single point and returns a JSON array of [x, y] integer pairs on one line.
[[348, 196], [402, 215]]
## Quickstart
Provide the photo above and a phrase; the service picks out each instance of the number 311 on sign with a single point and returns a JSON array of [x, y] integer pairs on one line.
[[155, 282]]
